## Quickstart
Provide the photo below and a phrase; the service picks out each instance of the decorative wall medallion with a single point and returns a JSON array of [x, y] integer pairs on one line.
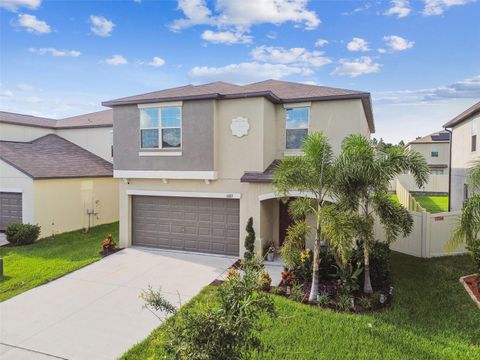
[[239, 126]]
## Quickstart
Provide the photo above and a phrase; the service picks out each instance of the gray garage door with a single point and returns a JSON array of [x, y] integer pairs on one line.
[[10, 209], [181, 223]]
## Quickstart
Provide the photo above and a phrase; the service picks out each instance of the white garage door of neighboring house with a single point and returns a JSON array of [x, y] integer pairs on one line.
[[10, 209], [184, 223]]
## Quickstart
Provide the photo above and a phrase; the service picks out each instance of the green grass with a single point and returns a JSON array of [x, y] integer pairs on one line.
[[395, 197], [432, 318], [28, 266], [433, 203]]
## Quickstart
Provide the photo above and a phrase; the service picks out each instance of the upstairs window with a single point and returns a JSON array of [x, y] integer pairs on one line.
[[161, 128], [436, 172], [296, 127], [474, 135], [434, 152]]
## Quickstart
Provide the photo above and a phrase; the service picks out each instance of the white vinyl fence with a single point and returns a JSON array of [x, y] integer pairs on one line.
[[429, 235], [436, 184], [406, 199]]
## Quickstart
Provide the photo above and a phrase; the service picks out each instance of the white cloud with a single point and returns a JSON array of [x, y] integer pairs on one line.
[[272, 35], [399, 8], [321, 42], [226, 37], [101, 26], [397, 43], [464, 89], [362, 8], [382, 51], [6, 94], [14, 5], [356, 67], [31, 24], [116, 60], [242, 14], [358, 44], [245, 72], [55, 52], [25, 87], [156, 62], [297, 56], [438, 7]]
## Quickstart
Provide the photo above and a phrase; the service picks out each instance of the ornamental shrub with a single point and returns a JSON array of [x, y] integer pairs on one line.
[[249, 240], [474, 248], [22, 234], [380, 264]]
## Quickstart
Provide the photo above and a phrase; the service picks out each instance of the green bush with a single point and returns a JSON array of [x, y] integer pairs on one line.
[[380, 264], [249, 240], [474, 248], [228, 330], [22, 234]]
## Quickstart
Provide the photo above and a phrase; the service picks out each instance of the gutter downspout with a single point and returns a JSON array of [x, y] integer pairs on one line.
[[450, 171]]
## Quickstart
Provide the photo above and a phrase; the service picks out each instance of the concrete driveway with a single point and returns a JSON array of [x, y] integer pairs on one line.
[[95, 312]]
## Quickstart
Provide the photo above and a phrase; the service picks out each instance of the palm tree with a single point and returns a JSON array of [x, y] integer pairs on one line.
[[468, 228], [363, 177], [313, 176]]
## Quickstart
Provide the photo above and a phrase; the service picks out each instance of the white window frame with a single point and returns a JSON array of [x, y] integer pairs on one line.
[[158, 108], [291, 107], [473, 133], [434, 149]]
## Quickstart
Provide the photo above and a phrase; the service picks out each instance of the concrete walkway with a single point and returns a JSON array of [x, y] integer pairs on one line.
[[95, 312]]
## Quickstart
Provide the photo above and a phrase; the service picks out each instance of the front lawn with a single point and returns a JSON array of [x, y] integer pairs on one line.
[[433, 203], [432, 318], [28, 266]]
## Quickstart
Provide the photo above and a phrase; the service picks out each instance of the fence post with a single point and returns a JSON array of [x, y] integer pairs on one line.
[[425, 235]]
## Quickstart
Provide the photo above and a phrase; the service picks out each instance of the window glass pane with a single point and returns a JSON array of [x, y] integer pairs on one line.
[[149, 138], [474, 126], [170, 116], [297, 118], [171, 138], [148, 118], [295, 138]]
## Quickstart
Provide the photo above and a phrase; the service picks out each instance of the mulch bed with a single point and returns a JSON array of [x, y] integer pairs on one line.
[[105, 253], [236, 265], [331, 288], [471, 281]]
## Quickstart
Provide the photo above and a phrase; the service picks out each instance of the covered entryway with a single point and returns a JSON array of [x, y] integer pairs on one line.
[[10, 209], [197, 224]]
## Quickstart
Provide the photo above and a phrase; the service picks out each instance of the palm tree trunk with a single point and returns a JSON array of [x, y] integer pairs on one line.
[[316, 271], [367, 285]]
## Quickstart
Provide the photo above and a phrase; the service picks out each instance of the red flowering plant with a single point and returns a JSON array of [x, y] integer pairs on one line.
[[288, 278], [108, 243]]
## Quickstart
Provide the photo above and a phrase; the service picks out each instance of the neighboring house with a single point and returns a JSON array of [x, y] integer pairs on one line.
[[465, 150], [435, 148], [91, 131], [52, 171], [197, 161], [56, 184]]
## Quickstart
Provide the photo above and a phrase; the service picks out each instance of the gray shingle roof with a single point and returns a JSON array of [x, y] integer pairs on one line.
[[51, 157], [275, 90], [472, 110], [102, 118], [435, 138], [260, 177]]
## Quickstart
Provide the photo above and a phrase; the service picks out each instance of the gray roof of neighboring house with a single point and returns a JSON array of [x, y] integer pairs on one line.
[[274, 90], [102, 118], [52, 157], [435, 138], [472, 110], [260, 177]]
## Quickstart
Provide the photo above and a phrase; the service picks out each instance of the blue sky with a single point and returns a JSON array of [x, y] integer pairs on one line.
[[419, 59]]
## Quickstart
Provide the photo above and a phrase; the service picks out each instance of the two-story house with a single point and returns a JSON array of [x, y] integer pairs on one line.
[[465, 151], [57, 173], [197, 161]]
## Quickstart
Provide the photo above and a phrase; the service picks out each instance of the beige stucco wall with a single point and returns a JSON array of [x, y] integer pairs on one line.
[[13, 180], [61, 204], [10, 132], [462, 159], [426, 150], [95, 140]]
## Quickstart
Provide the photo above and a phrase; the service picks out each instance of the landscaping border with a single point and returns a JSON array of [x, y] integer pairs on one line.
[[469, 291]]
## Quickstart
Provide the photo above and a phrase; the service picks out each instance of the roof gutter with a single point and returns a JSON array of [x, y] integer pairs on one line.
[[450, 170]]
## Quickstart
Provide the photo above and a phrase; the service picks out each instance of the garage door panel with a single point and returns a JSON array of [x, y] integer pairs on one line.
[[195, 224], [10, 209]]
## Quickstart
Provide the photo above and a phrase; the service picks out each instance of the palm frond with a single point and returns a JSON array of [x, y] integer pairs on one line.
[[394, 218], [468, 228], [301, 207]]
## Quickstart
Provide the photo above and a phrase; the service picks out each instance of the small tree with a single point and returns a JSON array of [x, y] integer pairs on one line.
[[468, 228], [249, 240], [363, 178]]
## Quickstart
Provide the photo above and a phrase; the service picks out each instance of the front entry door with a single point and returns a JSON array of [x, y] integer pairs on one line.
[[284, 221]]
